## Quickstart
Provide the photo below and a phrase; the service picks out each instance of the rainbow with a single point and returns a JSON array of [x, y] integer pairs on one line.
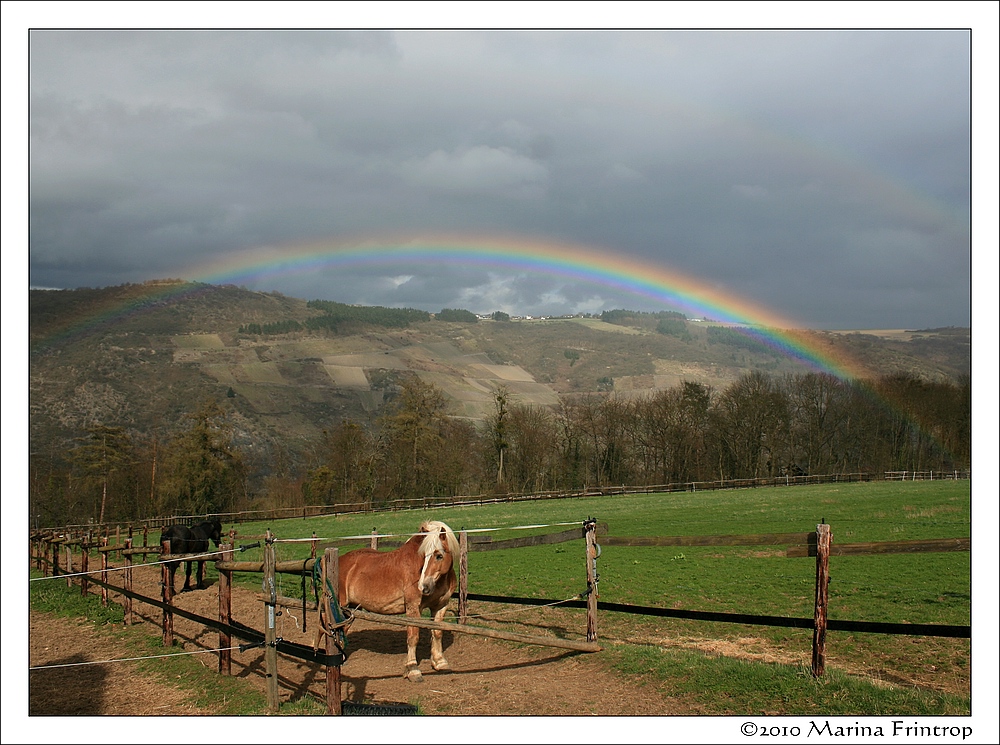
[[605, 268]]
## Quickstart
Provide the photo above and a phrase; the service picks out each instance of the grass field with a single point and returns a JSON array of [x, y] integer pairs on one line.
[[758, 665], [725, 668], [919, 588]]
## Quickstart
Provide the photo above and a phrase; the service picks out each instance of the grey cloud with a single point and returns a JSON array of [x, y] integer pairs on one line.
[[796, 168], [480, 169]]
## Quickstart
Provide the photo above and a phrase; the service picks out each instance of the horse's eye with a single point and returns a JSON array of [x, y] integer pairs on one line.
[[439, 556]]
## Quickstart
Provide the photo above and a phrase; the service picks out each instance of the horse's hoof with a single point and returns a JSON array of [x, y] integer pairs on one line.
[[441, 664], [414, 676]]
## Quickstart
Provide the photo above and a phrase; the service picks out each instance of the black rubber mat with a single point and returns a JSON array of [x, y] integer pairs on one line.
[[352, 709]]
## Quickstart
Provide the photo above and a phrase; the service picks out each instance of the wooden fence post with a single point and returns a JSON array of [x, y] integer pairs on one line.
[[463, 577], [104, 573], [84, 565], [589, 527], [329, 600], [823, 538], [127, 600], [225, 610], [270, 632], [374, 544], [168, 597], [69, 564]]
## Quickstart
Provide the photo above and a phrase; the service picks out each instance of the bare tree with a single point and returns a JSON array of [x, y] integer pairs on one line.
[[104, 452], [497, 427], [533, 463], [751, 424], [818, 406]]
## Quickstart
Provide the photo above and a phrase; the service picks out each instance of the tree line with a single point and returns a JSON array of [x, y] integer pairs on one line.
[[335, 315], [758, 426]]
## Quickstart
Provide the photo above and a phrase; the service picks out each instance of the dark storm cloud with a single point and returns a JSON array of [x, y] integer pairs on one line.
[[822, 174]]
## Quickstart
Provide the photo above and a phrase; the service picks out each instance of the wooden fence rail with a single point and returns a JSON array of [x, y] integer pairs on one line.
[[925, 545], [545, 641], [765, 539], [353, 508]]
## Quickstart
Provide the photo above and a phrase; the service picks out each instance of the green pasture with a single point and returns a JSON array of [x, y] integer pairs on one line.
[[914, 588], [897, 588], [867, 673]]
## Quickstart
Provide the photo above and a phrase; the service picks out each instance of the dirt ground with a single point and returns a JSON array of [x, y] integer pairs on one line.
[[488, 677]]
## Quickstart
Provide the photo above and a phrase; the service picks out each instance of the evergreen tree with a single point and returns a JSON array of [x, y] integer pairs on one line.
[[203, 471]]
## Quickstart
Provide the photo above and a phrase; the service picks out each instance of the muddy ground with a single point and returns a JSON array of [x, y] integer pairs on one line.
[[487, 677]]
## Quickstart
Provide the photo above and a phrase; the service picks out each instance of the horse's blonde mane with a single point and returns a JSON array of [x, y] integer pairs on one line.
[[433, 539]]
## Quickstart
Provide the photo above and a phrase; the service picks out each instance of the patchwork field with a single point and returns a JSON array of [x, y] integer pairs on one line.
[[347, 377], [198, 341], [290, 379]]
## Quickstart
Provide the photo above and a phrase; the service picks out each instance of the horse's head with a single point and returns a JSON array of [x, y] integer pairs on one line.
[[215, 532], [438, 549]]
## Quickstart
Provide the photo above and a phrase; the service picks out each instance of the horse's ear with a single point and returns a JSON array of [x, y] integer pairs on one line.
[[444, 538]]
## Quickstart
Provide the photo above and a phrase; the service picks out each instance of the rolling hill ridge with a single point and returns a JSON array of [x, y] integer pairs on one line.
[[141, 356]]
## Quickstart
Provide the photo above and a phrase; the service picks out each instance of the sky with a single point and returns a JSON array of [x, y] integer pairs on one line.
[[824, 175]]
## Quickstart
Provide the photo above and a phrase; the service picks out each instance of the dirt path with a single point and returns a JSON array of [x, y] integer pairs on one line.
[[488, 677]]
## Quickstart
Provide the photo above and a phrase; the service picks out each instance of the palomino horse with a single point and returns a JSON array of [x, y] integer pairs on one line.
[[193, 540], [419, 574]]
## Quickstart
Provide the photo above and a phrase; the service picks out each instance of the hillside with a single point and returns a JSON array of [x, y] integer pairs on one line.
[[141, 356]]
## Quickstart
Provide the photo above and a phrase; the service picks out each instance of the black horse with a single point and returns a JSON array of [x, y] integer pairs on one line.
[[191, 540]]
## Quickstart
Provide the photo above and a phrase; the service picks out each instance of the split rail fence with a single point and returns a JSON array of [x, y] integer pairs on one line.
[[46, 550], [394, 505]]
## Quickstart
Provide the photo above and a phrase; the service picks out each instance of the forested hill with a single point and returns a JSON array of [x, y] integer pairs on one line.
[[141, 355], [143, 358]]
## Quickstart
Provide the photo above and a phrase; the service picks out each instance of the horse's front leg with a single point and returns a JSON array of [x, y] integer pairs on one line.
[[438, 662], [201, 575], [187, 577], [412, 635]]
